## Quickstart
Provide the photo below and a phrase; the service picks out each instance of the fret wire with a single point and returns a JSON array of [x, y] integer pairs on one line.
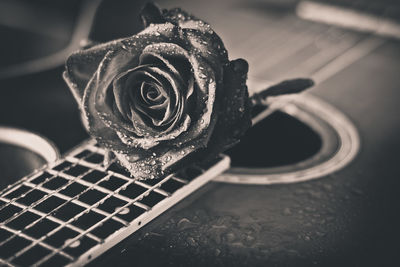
[[107, 191], [13, 200], [117, 210], [74, 200], [83, 232], [141, 205], [99, 188], [96, 166], [82, 204], [27, 237], [96, 204], [56, 173], [99, 167], [24, 208], [158, 190], [51, 218], [4, 262], [35, 175]]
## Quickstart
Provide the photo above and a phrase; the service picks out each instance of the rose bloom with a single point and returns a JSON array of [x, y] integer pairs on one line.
[[164, 97]]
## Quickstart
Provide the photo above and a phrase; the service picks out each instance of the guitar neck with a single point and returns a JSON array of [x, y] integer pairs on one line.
[[75, 209]]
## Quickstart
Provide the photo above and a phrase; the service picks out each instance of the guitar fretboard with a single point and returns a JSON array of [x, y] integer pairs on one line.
[[75, 209]]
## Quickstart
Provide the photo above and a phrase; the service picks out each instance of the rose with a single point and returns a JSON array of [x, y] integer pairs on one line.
[[163, 94]]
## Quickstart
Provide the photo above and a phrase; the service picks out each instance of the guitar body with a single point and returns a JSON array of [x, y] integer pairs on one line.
[[345, 218]]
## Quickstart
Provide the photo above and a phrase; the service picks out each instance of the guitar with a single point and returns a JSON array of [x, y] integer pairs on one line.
[[346, 217]]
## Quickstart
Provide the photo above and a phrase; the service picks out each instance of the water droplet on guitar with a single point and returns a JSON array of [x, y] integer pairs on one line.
[[74, 244], [123, 211]]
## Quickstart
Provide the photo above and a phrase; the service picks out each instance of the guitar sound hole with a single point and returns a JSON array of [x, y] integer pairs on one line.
[[16, 162], [275, 141]]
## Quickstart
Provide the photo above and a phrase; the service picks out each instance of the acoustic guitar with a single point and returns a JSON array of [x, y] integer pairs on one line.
[[344, 211]]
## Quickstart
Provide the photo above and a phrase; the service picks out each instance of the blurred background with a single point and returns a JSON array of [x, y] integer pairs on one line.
[[352, 51]]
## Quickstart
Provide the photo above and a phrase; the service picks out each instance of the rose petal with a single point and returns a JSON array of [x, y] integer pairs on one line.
[[235, 110], [81, 65]]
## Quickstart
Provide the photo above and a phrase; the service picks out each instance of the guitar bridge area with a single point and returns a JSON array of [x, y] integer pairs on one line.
[[75, 209]]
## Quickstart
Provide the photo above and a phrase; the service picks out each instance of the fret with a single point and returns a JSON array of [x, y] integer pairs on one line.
[[79, 203], [65, 164], [75, 205], [43, 216], [30, 240], [128, 181], [150, 198]]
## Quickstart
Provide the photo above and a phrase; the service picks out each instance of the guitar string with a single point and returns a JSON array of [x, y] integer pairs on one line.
[[48, 214], [68, 201], [102, 200], [36, 175], [53, 175], [90, 186], [171, 176], [117, 210], [321, 52]]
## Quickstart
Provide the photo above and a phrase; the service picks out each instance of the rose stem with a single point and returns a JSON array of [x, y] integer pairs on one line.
[[286, 87]]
